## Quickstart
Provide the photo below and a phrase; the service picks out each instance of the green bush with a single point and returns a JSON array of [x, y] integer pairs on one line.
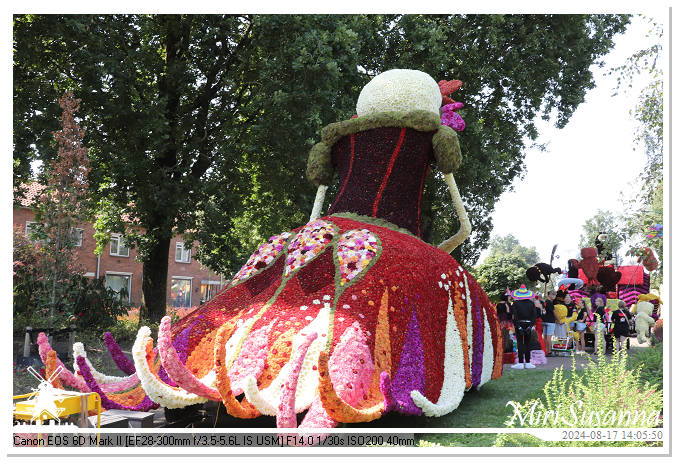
[[649, 363], [78, 300], [84, 302], [606, 393], [124, 331]]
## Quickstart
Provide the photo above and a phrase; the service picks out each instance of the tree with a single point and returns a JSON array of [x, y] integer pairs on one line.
[[60, 207], [204, 123], [505, 266], [648, 112], [646, 208], [49, 286], [509, 245], [603, 222]]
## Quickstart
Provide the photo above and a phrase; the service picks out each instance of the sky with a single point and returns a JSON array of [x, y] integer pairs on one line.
[[589, 165]]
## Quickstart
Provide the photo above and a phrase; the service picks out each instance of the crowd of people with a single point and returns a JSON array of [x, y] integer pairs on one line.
[[523, 308]]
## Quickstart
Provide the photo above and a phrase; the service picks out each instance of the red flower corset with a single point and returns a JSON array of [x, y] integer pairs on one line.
[[382, 173]]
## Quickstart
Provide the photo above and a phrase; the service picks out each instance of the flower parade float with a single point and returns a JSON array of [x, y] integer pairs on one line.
[[349, 316]]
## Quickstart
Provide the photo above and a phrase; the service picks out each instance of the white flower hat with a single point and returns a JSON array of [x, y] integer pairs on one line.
[[399, 90]]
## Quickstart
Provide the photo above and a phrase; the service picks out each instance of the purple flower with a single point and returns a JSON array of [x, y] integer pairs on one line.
[[453, 106], [410, 373], [123, 363], [478, 332], [450, 117], [106, 402]]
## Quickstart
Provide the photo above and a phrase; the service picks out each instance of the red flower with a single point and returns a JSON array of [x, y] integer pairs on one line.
[[448, 87]]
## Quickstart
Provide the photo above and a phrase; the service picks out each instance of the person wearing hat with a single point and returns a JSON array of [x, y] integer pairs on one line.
[[524, 313]]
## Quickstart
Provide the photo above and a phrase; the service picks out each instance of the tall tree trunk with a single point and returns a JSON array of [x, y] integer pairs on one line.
[[154, 285]]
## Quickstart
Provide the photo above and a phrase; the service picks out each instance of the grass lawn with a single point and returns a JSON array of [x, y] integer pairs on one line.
[[483, 408], [487, 408]]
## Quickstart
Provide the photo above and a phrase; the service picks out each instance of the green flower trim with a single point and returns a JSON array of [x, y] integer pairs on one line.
[[447, 149], [284, 280], [420, 120], [340, 289], [259, 271], [319, 168], [375, 222]]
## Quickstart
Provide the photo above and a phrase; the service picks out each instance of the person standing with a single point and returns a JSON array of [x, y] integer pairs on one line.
[[502, 308], [581, 324], [620, 318], [568, 303], [524, 313], [599, 313], [548, 322]]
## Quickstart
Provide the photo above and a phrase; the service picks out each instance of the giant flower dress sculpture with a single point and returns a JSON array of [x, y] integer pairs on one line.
[[351, 315]]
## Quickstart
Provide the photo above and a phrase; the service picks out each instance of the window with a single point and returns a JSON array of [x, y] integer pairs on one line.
[[76, 233], [181, 254], [180, 292], [118, 246], [30, 228], [119, 283], [77, 237], [208, 289]]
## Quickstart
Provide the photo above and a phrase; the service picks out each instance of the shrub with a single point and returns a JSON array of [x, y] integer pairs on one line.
[[124, 331], [80, 301], [127, 324], [606, 393], [649, 362], [175, 313]]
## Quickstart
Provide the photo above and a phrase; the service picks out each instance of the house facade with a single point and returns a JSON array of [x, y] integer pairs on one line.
[[188, 282]]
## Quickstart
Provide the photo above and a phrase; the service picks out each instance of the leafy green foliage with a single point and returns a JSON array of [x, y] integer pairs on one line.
[[81, 302], [649, 110], [514, 69], [603, 386], [84, 303], [505, 267], [607, 223], [646, 208], [649, 362], [203, 123]]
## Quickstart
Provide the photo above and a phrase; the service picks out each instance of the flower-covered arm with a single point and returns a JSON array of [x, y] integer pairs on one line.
[[318, 202], [448, 158], [319, 170], [465, 226]]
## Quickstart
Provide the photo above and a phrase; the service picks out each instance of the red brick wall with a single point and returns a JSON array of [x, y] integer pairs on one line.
[[121, 264]]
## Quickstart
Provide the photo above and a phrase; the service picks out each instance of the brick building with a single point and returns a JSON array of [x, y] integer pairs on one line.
[[188, 282]]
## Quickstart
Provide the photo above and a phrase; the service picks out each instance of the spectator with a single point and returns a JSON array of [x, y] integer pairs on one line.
[[599, 312], [503, 309], [524, 313], [548, 321], [581, 325], [568, 303], [620, 318]]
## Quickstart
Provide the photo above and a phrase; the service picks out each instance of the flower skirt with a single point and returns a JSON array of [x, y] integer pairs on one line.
[[403, 325]]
